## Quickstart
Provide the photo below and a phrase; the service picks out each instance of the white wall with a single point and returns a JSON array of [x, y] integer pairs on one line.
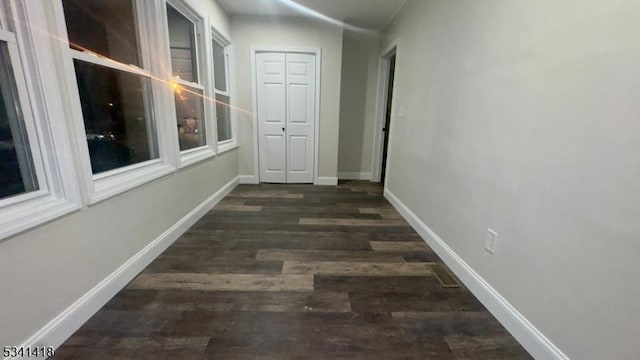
[[524, 116], [360, 54], [45, 270], [218, 17], [248, 31]]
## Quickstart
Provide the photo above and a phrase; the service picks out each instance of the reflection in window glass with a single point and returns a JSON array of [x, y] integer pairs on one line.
[[119, 127], [223, 115], [219, 67], [182, 45], [17, 174], [190, 115], [106, 27]]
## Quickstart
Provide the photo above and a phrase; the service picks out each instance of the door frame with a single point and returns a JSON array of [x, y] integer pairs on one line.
[[254, 102], [381, 109]]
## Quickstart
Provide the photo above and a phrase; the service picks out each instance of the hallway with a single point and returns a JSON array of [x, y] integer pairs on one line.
[[296, 271]]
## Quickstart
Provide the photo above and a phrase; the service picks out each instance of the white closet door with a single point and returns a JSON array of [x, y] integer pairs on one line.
[[271, 94], [300, 93]]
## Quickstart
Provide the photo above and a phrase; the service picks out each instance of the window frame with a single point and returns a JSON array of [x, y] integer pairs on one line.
[[27, 117], [37, 90], [102, 186], [227, 45], [192, 156]]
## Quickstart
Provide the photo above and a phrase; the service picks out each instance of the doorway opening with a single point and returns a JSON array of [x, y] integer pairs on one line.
[[387, 116], [384, 114]]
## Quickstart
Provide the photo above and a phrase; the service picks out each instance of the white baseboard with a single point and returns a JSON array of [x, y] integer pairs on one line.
[[354, 175], [326, 180], [66, 323], [529, 337], [248, 179]]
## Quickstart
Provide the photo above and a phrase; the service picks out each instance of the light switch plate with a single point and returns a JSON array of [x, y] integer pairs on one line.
[[491, 241]]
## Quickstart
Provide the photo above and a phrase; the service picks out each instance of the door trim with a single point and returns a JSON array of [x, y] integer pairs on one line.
[[381, 108], [254, 102]]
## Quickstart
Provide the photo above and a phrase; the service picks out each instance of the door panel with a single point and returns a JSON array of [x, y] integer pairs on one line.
[[270, 91], [273, 67], [299, 68], [300, 80], [274, 154], [298, 149], [274, 106], [298, 100]]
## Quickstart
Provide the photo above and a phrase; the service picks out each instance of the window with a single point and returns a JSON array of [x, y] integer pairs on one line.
[[16, 163], [114, 94], [36, 169], [222, 91], [188, 83], [114, 91]]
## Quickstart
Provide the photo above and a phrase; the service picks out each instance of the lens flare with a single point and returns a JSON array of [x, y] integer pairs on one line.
[[318, 15], [168, 81]]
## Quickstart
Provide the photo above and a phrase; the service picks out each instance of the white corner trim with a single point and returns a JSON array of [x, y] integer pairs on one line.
[[106, 186], [226, 147], [67, 322], [354, 175], [534, 341], [194, 156], [248, 179], [33, 213], [326, 180]]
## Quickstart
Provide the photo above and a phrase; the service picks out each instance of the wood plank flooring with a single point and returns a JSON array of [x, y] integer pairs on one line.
[[295, 272]]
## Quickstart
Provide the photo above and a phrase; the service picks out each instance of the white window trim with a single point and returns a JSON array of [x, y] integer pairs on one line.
[[3, 21], [20, 76], [38, 91], [192, 156], [227, 145], [217, 36], [105, 185]]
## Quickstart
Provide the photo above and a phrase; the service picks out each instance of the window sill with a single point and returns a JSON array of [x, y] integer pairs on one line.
[[226, 146], [33, 212], [109, 185], [190, 157]]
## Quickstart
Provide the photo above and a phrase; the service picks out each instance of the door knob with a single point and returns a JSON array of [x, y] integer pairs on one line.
[[282, 129]]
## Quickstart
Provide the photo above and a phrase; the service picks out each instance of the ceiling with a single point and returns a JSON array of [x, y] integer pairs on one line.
[[370, 14]]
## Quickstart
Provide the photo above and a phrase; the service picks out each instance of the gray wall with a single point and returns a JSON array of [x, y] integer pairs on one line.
[[524, 116], [360, 54], [45, 270], [248, 31], [53, 265]]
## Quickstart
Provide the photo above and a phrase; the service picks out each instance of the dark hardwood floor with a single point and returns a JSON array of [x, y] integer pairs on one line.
[[295, 272]]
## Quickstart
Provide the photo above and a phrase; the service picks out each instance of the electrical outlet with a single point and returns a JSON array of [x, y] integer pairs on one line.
[[491, 241]]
